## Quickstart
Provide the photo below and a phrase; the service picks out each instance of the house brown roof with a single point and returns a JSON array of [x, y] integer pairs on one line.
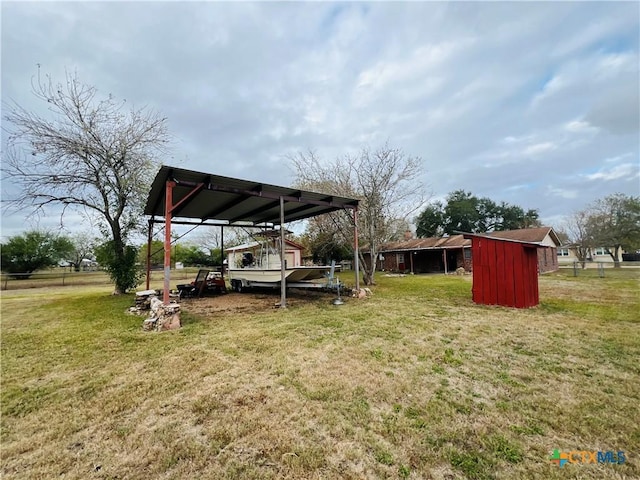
[[532, 235], [526, 235], [431, 243]]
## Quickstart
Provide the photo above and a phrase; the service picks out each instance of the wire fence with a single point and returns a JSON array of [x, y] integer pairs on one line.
[[64, 278]]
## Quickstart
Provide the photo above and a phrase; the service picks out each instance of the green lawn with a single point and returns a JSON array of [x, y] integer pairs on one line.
[[415, 381]]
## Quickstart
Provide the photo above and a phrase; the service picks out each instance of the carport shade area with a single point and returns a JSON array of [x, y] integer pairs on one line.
[[182, 196]]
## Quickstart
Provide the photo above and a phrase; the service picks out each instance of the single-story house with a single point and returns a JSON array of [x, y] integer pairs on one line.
[[567, 255], [425, 255], [447, 254]]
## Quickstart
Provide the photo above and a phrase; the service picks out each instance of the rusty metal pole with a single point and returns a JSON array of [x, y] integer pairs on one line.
[[168, 207], [149, 239], [356, 260]]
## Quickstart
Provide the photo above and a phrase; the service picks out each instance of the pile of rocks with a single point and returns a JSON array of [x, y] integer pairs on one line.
[[362, 293], [161, 317], [143, 300]]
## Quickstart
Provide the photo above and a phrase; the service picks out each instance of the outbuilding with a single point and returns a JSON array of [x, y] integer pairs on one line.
[[505, 272]]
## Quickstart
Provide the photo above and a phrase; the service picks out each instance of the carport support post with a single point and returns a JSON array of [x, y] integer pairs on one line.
[[222, 251], [444, 256], [168, 207], [149, 239], [356, 259], [283, 285]]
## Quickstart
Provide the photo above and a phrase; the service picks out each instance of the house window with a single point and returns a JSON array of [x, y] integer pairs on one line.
[[467, 253], [600, 251], [563, 252]]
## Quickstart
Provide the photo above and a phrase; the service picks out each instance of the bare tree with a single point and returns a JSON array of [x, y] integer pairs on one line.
[[387, 183], [614, 224], [84, 244], [212, 238], [577, 229], [89, 154]]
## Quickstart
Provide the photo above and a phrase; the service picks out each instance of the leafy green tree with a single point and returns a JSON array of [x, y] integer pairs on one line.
[[323, 245], [157, 254], [88, 154], [430, 222], [122, 267], [34, 250], [193, 255], [464, 212], [461, 213]]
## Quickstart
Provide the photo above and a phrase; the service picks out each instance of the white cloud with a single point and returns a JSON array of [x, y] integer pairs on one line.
[[617, 158], [514, 139], [579, 126], [625, 171], [562, 192], [539, 148], [492, 95]]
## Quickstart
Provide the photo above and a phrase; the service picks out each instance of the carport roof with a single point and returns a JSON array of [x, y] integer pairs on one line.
[[205, 196]]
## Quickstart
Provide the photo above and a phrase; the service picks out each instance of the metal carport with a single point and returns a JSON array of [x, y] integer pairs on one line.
[[180, 196]]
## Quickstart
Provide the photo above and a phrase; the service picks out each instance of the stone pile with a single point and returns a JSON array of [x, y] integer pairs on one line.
[[143, 300], [162, 317]]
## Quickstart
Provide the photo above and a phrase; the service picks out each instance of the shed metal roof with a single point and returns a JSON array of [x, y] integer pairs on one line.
[[205, 196], [500, 239]]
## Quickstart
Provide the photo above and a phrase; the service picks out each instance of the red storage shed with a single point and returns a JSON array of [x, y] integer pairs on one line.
[[505, 272]]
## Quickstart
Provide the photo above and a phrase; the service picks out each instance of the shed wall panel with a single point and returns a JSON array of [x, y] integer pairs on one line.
[[504, 273]]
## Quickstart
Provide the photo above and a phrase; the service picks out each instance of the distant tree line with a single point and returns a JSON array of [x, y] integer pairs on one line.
[[34, 250], [24, 254], [187, 254]]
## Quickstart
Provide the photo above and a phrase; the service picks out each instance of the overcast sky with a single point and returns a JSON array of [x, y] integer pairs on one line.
[[536, 104]]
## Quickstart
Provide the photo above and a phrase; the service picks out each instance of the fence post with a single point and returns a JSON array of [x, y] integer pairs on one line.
[[575, 269], [601, 269]]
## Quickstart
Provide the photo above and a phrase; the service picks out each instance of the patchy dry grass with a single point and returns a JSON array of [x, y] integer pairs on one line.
[[413, 382]]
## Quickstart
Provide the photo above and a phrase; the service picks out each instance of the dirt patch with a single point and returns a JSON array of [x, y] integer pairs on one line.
[[251, 301]]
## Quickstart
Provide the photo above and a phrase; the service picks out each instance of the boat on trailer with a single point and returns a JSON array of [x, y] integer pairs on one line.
[[258, 264]]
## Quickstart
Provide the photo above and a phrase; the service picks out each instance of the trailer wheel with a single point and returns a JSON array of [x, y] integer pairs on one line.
[[237, 285]]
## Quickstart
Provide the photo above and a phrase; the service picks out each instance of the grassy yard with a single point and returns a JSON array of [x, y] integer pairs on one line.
[[415, 381]]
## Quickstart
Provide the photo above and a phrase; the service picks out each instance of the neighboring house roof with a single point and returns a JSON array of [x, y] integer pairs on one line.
[[248, 246], [431, 243], [531, 235], [526, 235]]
